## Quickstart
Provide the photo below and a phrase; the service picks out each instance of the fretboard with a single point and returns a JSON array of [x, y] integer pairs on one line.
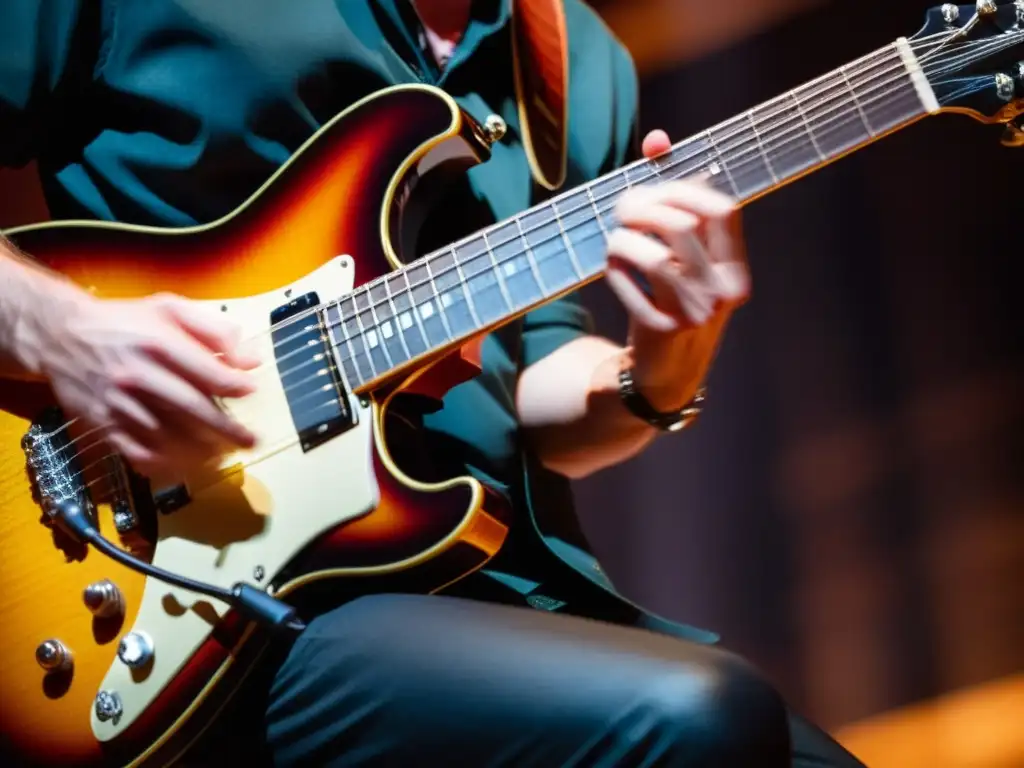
[[496, 275]]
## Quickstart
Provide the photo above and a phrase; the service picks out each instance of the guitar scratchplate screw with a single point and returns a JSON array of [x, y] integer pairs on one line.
[[108, 706]]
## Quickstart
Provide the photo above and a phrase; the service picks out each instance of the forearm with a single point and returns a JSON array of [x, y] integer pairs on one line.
[[25, 290], [571, 412]]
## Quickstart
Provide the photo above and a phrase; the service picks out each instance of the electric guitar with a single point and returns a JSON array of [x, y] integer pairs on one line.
[[133, 609]]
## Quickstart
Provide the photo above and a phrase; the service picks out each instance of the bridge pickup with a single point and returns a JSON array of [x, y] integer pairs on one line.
[[315, 392]]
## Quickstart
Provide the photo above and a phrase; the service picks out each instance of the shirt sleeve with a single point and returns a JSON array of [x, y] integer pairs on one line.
[[39, 43], [555, 324]]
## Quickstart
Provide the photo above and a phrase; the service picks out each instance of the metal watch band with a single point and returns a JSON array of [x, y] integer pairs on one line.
[[640, 406]]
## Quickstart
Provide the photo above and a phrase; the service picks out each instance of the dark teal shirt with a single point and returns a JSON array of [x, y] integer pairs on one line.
[[172, 112]]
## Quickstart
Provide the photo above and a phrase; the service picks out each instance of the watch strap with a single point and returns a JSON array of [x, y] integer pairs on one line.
[[666, 421]]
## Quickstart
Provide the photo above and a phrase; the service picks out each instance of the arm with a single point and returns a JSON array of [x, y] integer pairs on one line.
[[24, 287], [144, 372]]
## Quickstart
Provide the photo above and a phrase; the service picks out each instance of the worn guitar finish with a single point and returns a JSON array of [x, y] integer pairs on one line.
[[321, 510]]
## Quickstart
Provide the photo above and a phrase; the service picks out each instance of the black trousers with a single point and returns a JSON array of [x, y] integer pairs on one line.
[[403, 680]]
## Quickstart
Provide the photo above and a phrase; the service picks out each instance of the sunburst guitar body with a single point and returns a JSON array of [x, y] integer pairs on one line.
[[101, 665]]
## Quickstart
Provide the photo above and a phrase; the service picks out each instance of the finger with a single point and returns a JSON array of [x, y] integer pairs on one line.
[[130, 415], [157, 431], [143, 459], [670, 287], [208, 373], [636, 302], [643, 208], [213, 331], [698, 198], [656, 143], [678, 228], [728, 261], [190, 410]]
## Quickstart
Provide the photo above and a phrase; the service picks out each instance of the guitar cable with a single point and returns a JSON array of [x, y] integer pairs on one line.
[[254, 603]]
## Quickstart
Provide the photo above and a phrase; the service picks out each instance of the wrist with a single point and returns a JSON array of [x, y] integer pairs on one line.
[[36, 305], [672, 420]]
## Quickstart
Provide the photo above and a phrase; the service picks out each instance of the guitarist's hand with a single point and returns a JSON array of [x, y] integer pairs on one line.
[[143, 372], [684, 237]]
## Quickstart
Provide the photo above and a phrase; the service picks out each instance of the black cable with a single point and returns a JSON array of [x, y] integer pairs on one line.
[[254, 603]]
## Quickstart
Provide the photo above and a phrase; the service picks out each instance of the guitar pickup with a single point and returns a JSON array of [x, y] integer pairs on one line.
[[316, 395]]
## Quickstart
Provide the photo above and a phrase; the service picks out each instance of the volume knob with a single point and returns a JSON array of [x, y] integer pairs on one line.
[[103, 599], [135, 650], [53, 656]]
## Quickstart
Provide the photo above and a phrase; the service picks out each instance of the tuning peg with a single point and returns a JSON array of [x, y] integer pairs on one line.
[[1013, 136]]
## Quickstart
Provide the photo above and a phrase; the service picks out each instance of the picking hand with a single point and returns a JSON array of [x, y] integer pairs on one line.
[[143, 373]]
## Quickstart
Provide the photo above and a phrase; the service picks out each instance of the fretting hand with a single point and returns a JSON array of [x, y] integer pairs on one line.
[[684, 238]]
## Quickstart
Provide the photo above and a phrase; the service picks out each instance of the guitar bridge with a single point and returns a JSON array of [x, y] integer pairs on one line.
[[54, 470]]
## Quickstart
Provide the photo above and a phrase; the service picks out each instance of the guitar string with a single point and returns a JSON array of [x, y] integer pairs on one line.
[[373, 304], [353, 359], [360, 336], [999, 42], [732, 164], [421, 261], [331, 401], [811, 106]]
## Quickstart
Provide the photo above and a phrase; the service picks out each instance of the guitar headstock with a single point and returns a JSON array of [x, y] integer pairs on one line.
[[973, 57]]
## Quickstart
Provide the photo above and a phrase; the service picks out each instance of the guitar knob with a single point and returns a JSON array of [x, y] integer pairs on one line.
[[135, 650], [53, 656], [103, 599]]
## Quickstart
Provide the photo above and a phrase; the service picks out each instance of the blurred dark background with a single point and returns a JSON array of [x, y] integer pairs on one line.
[[849, 511]]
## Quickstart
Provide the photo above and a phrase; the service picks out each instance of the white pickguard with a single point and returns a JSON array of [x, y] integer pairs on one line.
[[275, 502]]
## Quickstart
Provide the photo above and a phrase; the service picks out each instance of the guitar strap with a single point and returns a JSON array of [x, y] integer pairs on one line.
[[540, 53]]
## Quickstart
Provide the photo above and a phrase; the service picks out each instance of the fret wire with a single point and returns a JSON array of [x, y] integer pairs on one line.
[[725, 167], [437, 300], [413, 311], [362, 333], [464, 285], [760, 146], [497, 273], [353, 356], [597, 212], [856, 101], [378, 329], [807, 125], [396, 320], [336, 356], [568, 244], [530, 258], [721, 161]]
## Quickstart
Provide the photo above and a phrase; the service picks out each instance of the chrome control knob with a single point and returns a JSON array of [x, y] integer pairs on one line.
[[53, 656], [103, 599], [108, 706], [135, 650]]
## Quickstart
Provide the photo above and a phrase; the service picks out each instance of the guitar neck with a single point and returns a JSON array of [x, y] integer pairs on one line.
[[494, 276]]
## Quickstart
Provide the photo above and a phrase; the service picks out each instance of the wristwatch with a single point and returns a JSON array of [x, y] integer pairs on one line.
[[666, 421]]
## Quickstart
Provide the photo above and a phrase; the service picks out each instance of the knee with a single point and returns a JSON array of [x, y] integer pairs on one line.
[[719, 711]]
